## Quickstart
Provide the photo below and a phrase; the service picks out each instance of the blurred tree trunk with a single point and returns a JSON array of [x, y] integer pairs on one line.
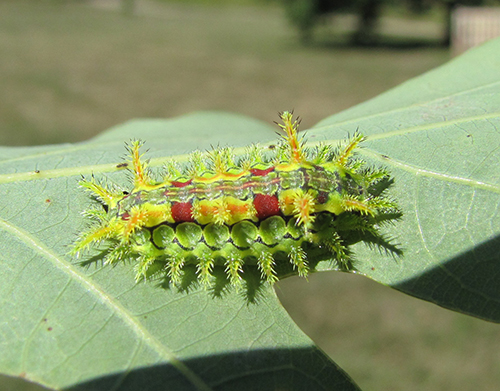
[[368, 13], [303, 14], [450, 5]]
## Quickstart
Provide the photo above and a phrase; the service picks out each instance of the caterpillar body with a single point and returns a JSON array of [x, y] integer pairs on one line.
[[291, 205]]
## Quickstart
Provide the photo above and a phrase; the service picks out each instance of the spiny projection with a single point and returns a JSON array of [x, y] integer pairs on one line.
[[256, 209]]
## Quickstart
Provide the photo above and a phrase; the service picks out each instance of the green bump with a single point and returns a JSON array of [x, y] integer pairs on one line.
[[244, 234], [272, 230], [163, 236], [189, 234], [216, 235], [295, 230]]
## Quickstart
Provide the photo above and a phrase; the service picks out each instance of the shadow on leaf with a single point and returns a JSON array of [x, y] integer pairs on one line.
[[270, 369], [467, 283]]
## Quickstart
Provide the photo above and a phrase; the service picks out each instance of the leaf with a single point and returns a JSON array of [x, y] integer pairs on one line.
[[71, 327], [66, 326], [439, 135]]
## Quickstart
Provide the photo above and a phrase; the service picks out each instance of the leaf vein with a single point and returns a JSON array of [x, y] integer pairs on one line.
[[113, 305]]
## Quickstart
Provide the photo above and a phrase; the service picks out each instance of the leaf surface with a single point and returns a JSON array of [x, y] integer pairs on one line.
[[67, 326], [439, 134]]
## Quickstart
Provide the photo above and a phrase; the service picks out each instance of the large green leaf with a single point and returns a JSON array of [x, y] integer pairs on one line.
[[439, 135], [67, 326]]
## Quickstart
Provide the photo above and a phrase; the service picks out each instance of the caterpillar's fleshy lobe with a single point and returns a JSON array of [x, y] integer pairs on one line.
[[291, 204]]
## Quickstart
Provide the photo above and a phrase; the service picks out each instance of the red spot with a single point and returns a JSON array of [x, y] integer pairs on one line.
[[322, 197], [125, 216], [266, 205], [181, 184], [182, 211], [257, 172]]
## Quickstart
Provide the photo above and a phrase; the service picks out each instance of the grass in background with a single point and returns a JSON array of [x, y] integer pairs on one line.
[[70, 71], [389, 341]]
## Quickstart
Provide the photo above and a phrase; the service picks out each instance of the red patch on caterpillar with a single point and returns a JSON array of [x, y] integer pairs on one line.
[[182, 212], [322, 197], [257, 172], [266, 205], [181, 184], [222, 211]]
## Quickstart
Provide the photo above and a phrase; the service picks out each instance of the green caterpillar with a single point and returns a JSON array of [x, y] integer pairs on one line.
[[298, 204]]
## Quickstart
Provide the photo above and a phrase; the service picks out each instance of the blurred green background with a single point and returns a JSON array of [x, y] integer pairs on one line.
[[70, 69]]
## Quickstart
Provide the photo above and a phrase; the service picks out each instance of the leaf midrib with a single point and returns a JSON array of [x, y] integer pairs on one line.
[[404, 108], [431, 174], [112, 167]]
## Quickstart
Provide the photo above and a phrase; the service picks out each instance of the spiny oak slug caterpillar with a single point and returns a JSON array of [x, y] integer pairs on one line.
[[291, 204]]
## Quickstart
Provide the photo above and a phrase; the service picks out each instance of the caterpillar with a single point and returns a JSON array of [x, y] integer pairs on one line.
[[291, 204]]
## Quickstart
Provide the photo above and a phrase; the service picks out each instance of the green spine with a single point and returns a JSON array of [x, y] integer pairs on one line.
[[300, 204]]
